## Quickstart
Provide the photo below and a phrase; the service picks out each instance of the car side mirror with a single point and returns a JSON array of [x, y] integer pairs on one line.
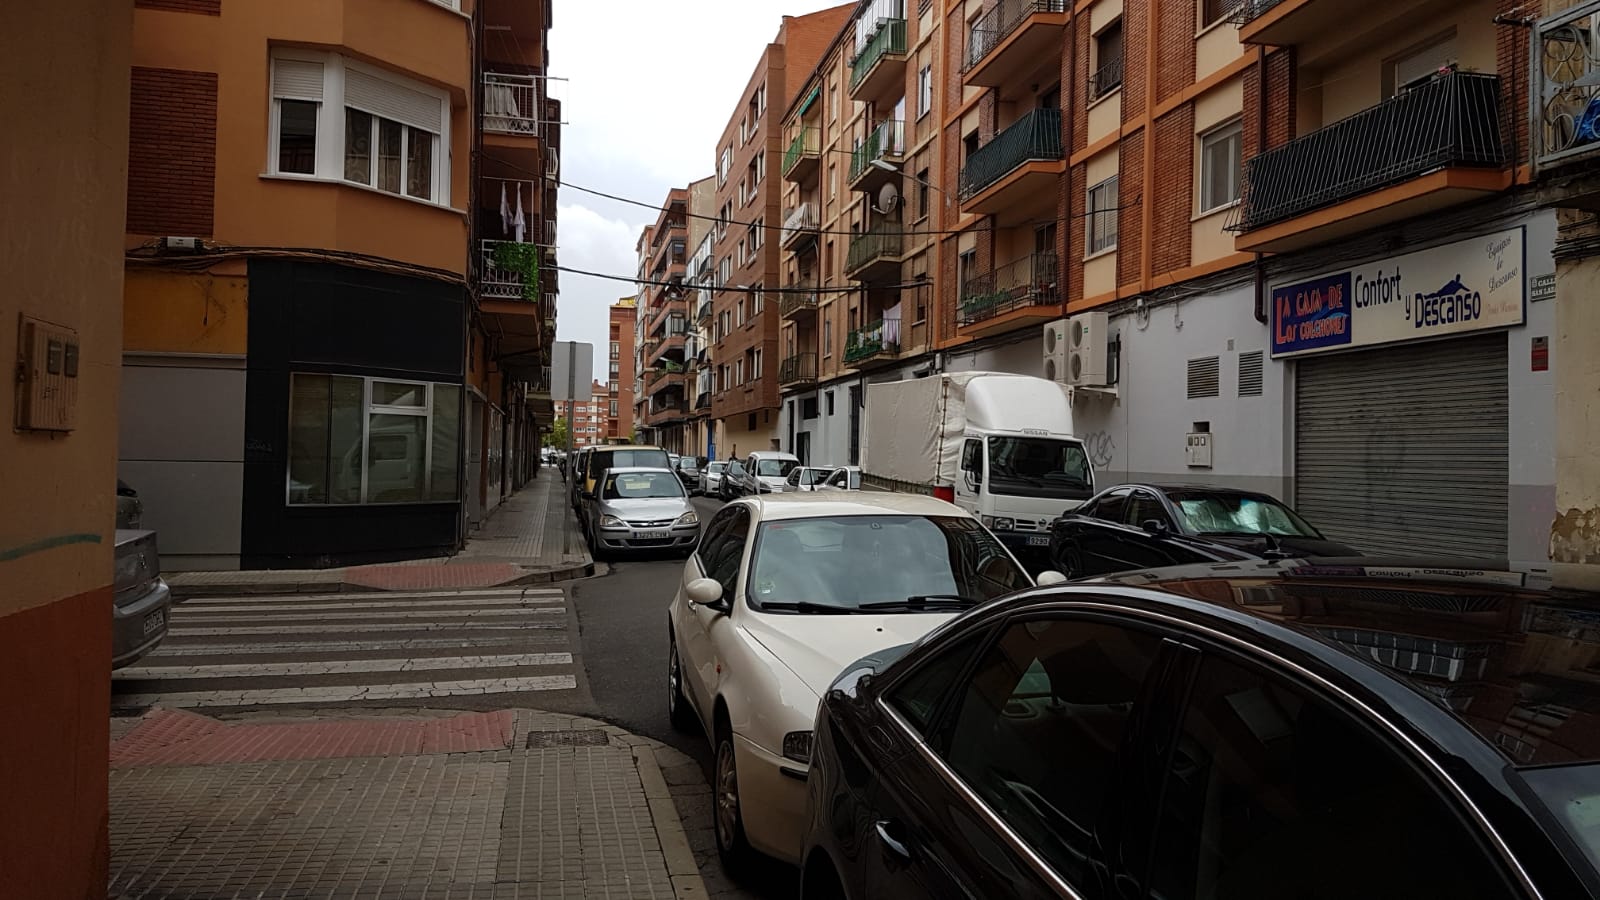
[[1048, 578], [705, 592], [1154, 526]]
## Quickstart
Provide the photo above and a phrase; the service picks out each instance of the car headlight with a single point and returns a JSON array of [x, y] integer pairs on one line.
[[611, 522], [689, 518], [1005, 525], [797, 746]]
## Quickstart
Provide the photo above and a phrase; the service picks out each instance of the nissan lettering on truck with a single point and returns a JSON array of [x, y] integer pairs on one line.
[[1000, 446]]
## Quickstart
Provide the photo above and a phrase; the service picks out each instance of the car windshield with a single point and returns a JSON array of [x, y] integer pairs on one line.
[[848, 561], [812, 476], [775, 468], [715, 467], [642, 485], [629, 459], [689, 465], [735, 468], [1039, 467], [1572, 793], [1200, 512]]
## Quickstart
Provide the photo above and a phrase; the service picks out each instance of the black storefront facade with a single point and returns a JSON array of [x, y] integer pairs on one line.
[[353, 416]]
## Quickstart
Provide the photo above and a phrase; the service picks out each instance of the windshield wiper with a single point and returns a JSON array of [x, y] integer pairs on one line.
[[925, 601], [806, 606]]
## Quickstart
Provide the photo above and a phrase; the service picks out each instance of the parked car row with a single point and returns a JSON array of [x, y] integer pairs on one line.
[[895, 707]]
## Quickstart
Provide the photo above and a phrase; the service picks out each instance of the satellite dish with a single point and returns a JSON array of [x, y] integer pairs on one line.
[[888, 198]]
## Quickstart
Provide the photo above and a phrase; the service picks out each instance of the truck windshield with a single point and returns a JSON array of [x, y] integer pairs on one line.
[[1039, 467], [776, 468]]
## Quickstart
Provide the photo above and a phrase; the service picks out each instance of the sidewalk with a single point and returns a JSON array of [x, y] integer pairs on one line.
[[512, 804], [531, 538]]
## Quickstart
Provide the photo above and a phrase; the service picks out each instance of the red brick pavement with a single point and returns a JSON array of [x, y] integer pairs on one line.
[[433, 577], [172, 737]]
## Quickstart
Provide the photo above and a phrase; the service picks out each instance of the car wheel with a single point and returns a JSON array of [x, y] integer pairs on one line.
[[727, 816], [678, 710]]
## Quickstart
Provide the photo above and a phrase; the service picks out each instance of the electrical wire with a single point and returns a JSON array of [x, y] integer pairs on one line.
[[206, 257], [820, 289]]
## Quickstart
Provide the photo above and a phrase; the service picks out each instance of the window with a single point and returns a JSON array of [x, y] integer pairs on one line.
[[1050, 690], [738, 372], [755, 363], [756, 231], [615, 368], [1214, 11], [1145, 507], [755, 300], [1420, 66], [724, 165], [827, 346], [612, 387], [369, 440], [616, 350], [1107, 75], [1102, 216], [969, 146], [922, 193], [722, 547], [924, 91], [918, 696], [758, 167], [1219, 166], [972, 457], [966, 266], [1112, 507], [1271, 794], [297, 89], [829, 398]]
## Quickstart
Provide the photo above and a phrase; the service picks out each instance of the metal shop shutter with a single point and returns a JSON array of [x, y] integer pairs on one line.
[[1403, 450]]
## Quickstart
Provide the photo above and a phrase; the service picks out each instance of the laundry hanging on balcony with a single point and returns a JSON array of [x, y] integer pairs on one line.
[[519, 224], [505, 211]]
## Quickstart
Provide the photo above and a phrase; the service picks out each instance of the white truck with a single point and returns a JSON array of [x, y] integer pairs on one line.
[[1000, 446]]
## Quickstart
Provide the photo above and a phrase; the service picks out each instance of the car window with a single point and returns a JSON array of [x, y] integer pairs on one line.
[[641, 485], [1142, 507], [1039, 726], [918, 696], [794, 477], [1112, 506], [1221, 513], [837, 479], [720, 556], [1272, 793]]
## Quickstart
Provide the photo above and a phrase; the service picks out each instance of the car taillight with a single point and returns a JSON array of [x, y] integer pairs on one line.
[[947, 493]]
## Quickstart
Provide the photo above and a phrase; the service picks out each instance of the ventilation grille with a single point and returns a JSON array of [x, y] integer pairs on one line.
[[1203, 377], [1250, 372], [576, 738]]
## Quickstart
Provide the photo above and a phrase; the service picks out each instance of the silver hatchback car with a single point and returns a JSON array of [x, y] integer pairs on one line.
[[640, 508]]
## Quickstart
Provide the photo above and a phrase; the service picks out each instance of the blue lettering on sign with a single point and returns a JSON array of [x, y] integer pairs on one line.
[[1453, 303], [1312, 314]]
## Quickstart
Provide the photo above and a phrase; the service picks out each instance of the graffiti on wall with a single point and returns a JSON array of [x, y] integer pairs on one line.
[[1101, 447]]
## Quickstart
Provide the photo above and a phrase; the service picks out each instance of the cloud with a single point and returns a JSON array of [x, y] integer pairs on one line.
[[591, 241]]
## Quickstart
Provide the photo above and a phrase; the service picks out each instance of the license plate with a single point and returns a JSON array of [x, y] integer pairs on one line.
[[154, 621], [1039, 540], [653, 535]]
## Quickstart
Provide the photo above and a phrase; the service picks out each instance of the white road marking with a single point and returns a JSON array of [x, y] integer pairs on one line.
[[361, 627], [372, 615], [266, 649], [351, 693], [281, 610], [343, 666], [377, 595]]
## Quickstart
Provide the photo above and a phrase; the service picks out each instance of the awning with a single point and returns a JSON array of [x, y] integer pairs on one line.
[[810, 99]]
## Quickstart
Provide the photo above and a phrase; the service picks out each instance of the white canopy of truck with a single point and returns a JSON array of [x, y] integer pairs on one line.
[[914, 429]]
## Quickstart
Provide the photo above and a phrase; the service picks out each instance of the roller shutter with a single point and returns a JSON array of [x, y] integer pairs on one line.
[[1403, 450]]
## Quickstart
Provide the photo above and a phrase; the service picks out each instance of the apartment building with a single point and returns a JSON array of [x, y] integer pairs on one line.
[[666, 324], [699, 433], [619, 367], [64, 185], [591, 419], [340, 241], [748, 202]]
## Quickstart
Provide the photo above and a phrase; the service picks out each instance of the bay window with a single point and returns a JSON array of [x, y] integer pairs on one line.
[[372, 440]]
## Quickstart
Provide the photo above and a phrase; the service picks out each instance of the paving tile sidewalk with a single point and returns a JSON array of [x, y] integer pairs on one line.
[[522, 804], [532, 538]]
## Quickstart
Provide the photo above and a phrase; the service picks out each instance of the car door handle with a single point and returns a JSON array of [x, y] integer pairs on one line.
[[894, 845]]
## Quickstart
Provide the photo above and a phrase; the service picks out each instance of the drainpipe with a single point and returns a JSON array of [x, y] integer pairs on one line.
[[1262, 314]]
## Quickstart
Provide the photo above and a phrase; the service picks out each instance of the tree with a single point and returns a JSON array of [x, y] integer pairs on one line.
[[558, 434]]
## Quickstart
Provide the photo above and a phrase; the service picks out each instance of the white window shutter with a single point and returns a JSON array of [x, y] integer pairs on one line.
[[392, 101], [296, 79]]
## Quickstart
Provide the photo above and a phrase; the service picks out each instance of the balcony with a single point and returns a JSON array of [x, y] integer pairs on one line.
[[702, 312], [1105, 79], [1286, 23], [878, 71], [663, 376], [886, 143], [798, 302], [1011, 40], [1015, 176], [879, 341], [702, 401], [797, 371], [803, 156], [1024, 292], [1437, 145], [800, 225], [672, 349], [1567, 87], [510, 271], [511, 104], [668, 411], [875, 254]]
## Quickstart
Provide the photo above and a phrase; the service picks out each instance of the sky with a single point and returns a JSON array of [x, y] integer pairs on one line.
[[651, 87]]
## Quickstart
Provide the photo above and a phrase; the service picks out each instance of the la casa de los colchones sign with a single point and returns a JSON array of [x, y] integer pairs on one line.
[[1470, 285]]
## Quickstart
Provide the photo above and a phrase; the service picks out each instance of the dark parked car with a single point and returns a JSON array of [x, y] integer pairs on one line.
[[730, 484], [1238, 731], [1142, 526], [688, 469]]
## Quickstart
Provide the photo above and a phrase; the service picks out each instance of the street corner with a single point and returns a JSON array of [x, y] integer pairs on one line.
[[440, 576]]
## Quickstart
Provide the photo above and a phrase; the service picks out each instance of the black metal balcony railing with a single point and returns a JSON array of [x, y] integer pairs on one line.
[[1106, 79], [890, 38], [703, 312], [1451, 120], [1247, 11], [1035, 136], [888, 139], [1033, 280], [882, 336], [703, 401], [798, 298], [798, 369], [870, 246], [804, 145], [997, 24]]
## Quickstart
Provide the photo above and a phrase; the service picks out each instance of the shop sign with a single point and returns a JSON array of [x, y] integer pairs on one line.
[[1467, 286]]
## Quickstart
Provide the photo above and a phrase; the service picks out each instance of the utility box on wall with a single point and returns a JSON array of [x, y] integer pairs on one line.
[[47, 376], [1197, 450]]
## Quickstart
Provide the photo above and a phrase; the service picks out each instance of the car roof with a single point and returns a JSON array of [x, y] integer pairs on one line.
[[608, 448], [1181, 488], [773, 454], [833, 504], [1474, 643], [619, 470]]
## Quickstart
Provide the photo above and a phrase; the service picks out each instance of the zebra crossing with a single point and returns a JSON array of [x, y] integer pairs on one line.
[[409, 647]]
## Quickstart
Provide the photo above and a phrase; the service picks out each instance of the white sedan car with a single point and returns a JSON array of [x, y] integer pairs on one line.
[[783, 592]]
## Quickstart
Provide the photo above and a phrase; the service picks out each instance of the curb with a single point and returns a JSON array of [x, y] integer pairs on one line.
[[682, 869], [187, 591]]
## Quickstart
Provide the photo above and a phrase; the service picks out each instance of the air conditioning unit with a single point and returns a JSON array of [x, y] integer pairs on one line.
[[1087, 338], [1055, 351]]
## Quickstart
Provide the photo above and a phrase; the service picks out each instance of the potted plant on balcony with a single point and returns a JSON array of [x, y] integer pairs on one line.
[[522, 259]]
